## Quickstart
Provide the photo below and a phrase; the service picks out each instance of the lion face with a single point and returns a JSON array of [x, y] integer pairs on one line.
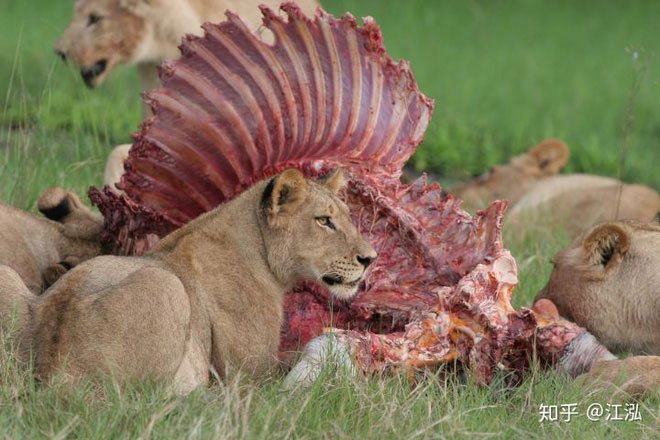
[[101, 35], [310, 236], [608, 282], [510, 181]]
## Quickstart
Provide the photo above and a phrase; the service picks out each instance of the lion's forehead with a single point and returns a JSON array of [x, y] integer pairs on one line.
[[87, 5], [329, 201]]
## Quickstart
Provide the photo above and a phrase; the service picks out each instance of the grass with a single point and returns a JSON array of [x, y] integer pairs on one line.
[[504, 76]]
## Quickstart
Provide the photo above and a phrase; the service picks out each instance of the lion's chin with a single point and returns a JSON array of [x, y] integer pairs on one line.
[[344, 291]]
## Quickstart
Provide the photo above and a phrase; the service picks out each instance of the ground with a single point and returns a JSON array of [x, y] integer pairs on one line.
[[504, 75]]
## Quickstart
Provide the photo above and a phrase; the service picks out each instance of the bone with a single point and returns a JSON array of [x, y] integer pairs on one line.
[[325, 94], [581, 354]]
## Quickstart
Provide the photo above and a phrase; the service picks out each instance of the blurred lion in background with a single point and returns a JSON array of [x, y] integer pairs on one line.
[[538, 194], [104, 34]]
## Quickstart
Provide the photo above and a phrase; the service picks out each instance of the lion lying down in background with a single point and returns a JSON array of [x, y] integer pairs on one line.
[[535, 191], [39, 250], [608, 281]]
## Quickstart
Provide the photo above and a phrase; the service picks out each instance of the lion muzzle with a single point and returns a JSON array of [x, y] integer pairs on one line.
[[90, 73]]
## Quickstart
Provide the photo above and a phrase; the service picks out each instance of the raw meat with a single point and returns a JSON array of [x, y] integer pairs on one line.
[[234, 109]]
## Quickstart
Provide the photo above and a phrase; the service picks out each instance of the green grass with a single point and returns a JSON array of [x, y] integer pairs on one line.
[[504, 75]]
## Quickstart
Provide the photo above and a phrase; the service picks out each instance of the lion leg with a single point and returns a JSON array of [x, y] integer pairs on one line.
[[134, 329], [635, 376], [114, 166], [15, 301], [320, 353]]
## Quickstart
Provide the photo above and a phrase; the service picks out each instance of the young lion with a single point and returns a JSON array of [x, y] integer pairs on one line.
[[106, 33], [40, 249], [207, 297]]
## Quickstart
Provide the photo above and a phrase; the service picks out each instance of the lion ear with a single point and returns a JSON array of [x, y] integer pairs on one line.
[[283, 194], [336, 181], [606, 245], [550, 156]]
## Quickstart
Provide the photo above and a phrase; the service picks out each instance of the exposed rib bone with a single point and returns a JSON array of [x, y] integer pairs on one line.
[[234, 109]]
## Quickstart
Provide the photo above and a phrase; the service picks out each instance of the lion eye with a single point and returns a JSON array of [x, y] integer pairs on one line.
[[93, 19], [326, 222]]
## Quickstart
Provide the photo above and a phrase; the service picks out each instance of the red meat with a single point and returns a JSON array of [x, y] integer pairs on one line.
[[234, 109]]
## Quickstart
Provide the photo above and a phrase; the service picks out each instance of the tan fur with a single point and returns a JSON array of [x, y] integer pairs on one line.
[[608, 282], [145, 32], [207, 298], [39, 249], [512, 180], [637, 376], [571, 202], [574, 202], [114, 166]]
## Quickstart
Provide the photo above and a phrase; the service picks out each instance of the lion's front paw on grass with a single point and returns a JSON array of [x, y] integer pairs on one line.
[[636, 376]]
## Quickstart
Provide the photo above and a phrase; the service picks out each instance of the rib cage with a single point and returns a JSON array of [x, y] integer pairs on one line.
[[247, 105], [233, 110]]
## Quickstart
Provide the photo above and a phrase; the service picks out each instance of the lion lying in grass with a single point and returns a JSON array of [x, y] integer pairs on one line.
[[40, 249], [104, 34], [512, 180], [207, 298], [573, 202], [608, 281]]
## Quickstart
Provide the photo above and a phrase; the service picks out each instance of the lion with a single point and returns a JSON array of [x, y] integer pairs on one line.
[[571, 202], [104, 34], [512, 180], [207, 299], [607, 281], [40, 249]]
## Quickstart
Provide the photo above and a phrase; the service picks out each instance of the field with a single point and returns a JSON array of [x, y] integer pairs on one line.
[[504, 75]]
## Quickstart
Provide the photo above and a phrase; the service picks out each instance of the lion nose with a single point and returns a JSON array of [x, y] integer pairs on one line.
[[61, 54], [366, 261]]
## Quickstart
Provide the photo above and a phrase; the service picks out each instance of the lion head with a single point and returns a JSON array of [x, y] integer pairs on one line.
[[103, 34], [309, 234], [41, 249], [608, 281], [511, 181]]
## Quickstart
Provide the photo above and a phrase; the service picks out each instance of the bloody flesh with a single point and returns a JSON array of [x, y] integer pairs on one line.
[[233, 110]]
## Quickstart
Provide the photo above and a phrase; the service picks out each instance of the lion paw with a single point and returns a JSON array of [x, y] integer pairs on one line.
[[635, 376]]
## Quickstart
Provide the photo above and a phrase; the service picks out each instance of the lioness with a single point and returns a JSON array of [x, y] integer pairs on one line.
[[207, 297], [106, 33], [41, 249], [512, 180], [608, 281], [572, 202]]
